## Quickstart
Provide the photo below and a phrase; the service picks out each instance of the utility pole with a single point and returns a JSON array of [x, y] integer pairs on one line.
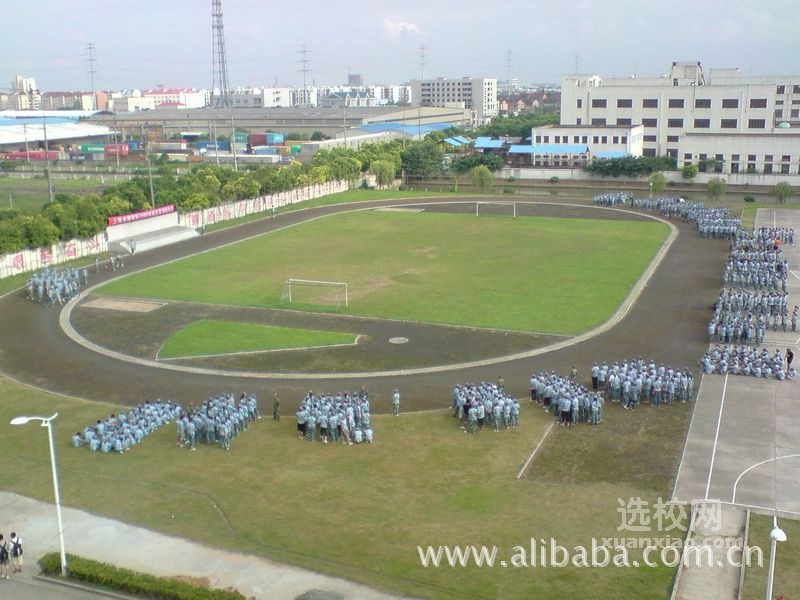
[[508, 73], [422, 62], [220, 59], [233, 143], [91, 60], [47, 160], [304, 70]]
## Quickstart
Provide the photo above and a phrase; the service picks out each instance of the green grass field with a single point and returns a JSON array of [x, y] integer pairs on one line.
[[547, 275], [203, 338], [787, 564], [29, 195], [357, 512]]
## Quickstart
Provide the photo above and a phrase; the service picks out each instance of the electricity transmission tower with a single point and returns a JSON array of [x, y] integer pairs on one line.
[[219, 89]]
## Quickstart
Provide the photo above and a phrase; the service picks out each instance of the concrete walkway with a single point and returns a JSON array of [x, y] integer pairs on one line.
[[122, 545]]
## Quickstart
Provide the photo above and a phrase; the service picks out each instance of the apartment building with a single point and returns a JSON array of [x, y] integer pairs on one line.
[[478, 95]]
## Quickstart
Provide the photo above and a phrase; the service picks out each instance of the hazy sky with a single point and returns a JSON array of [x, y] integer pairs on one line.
[[149, 42]]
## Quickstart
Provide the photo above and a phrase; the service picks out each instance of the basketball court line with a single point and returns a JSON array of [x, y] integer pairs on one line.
[[716, 437]]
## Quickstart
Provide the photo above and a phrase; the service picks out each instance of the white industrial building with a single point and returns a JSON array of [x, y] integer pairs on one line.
[[478, 95], [747, 124], [602, 140]]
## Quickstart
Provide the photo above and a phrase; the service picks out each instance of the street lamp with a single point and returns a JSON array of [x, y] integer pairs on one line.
[[776, 535], [47, 422]]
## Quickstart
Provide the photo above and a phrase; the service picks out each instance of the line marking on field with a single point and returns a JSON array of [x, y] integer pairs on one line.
[[688, 434], [535, 451], [758, 464], [716, 437]]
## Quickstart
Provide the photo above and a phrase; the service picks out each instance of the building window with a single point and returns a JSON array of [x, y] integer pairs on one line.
[[756, 124], [785, 169], [751, 158], [781, 89], [672, 153], [767, 168], [650, 138], [734, 167], [702, 103], [728, 124], [676, 102], [623, 122], [579, 121], [795, 102], [675, 123], [584, 139], [779, 114], [785, 158], [580, 102], [558, 139], [795, 113], [649, 152], [596, 139], [720, 160], [624, 103], [672, 139], [650, 103], [730, 103], [538, 139], [758, 103], [604, 139], [598, 121], [702, 123], [547, 139], [796, 89], [599, 102], [687, 157], [650, 122], [768, 158], [778, 102], [615, 139], [576, 139], [735, 157], [623, 139]]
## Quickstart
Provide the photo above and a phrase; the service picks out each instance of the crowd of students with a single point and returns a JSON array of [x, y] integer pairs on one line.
[[635, 382], [748, 361], [570, 402], [477, 406], [216, 421], [119, 432], [341, 417], [53, 286]]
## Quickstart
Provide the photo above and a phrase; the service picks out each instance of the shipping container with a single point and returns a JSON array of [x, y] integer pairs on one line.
[[265, 150], [116, 149], [274, 139], [296, 149], [257, 139], [283, 150], [92, 148], [167, 146], [240, 138], [133, 145], [222, 146], [34, 155]]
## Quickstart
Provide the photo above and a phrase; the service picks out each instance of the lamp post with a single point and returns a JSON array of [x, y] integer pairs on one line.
[[47, 422], [776, 535]]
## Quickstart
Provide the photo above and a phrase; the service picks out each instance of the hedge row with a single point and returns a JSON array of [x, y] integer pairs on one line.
[[130, 582]]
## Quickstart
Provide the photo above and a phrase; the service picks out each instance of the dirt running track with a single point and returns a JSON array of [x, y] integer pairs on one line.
[[667, 323]]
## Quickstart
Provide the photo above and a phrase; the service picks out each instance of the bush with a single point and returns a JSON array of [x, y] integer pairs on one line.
[[508, 190], [690, 171], [130, 582], [749, 199], [554, 179]]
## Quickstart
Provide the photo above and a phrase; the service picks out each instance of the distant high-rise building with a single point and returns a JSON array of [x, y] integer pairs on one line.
[[478, 95], [355, 79]]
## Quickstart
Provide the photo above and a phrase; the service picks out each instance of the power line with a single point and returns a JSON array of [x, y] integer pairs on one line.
[[219, 58], [304, 70]]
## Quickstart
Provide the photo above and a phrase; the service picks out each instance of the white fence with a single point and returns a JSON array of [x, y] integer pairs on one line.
[[31, 260]]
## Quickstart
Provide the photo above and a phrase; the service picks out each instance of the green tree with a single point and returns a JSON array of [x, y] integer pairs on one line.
[[11, 235], [422, 158], [38, 232], [481, 177], [782, 191], [716, 187], [384, 172], [657, 182], [689, 171]]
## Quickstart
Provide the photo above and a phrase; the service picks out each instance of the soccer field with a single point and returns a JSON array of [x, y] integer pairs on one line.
[[548, 275]]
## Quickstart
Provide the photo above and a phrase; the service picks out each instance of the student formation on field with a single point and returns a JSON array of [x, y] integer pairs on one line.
[[338, 417], [485, 405], [216, 421], [55, 286]]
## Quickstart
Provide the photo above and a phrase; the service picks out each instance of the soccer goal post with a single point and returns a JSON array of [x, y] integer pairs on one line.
[[485, 204], [311, 291]]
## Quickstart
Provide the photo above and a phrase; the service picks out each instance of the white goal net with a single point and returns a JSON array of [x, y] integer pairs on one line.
[[494, 207], [313, 292]]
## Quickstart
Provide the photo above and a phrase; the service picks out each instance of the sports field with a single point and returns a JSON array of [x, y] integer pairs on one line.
[[538, 274]]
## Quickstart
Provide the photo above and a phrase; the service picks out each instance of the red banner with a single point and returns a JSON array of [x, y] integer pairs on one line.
[[143, 214]]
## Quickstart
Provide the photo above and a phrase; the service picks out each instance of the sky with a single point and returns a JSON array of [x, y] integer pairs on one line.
[[148, 43]]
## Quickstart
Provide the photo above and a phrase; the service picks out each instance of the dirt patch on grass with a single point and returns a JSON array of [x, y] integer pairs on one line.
[[123, 304]]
